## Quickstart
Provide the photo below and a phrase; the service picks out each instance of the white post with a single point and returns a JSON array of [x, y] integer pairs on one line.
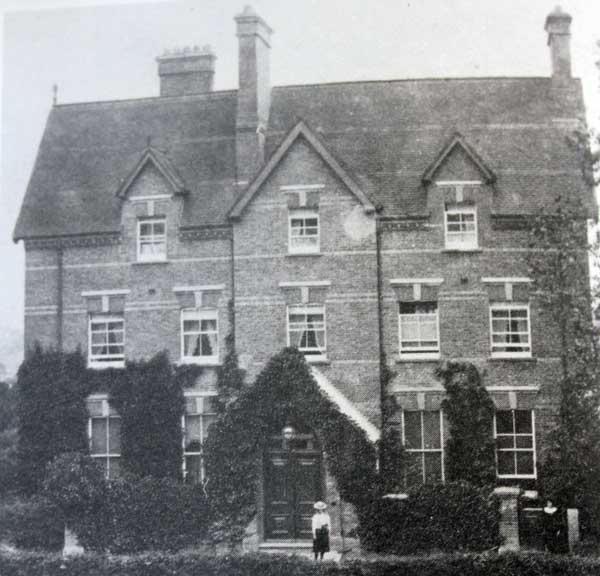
[[573, 526]]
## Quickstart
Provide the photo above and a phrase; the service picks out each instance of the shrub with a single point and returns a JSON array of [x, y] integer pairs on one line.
[[8, 461], [31, 524], [265, 565], [435, 517], [150, 514]]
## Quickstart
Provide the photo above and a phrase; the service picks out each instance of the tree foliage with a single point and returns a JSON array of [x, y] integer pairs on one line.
[[284, 392], [559, 267], [51, 412], [470, 455]]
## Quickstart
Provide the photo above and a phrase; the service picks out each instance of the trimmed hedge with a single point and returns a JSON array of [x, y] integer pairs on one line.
[[435, 517], [33, 524], [250, 565]]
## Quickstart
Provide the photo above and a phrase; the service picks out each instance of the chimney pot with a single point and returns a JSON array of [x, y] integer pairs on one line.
[[558, 27], [186, 71]]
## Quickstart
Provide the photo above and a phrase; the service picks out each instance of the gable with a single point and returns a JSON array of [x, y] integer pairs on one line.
[[300, 132], [149, 182], [458, 166]]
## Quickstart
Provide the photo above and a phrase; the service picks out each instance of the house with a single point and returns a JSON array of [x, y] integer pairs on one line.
[[346, 219]]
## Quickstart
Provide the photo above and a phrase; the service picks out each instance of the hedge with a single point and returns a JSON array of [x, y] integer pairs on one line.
[[435, 517], [252, 564]]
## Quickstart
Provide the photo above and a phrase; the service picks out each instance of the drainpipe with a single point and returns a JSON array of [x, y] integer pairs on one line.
[[382, 362], [59, 296], [232, 280]]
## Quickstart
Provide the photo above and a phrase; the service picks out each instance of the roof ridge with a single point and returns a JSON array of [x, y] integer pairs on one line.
[[203, 96], [424, 79]]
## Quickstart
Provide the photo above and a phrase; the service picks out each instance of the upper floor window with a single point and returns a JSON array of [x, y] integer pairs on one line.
[[152, 239], [304, 237], [200, 413], [419, 330], [306, 330], [461, 228], [510, 330], [106, 341], [104, 432], [514, 431], [199, 336], [423, 441]]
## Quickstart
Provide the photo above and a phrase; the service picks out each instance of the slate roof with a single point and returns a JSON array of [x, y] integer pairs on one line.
[[385, 134]]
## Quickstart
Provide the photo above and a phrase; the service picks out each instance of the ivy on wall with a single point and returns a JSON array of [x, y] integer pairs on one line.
[[51, 412], [284, 392], [470, 450]]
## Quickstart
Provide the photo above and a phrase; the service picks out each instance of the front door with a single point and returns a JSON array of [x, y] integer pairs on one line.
[[292, 486]]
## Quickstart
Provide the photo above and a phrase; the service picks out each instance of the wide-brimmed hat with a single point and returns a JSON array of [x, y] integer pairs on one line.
[[320, 505]]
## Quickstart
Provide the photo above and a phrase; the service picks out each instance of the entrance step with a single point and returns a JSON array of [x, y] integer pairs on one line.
[[287, 547]]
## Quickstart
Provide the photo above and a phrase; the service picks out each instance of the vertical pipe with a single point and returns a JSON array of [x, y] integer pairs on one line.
[[59, 296], [382, 360]]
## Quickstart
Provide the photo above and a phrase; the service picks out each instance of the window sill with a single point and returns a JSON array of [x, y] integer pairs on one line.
[[304, 254], [420, 358], [149, 262], [105, 365], [461, 250], [316, 359], [512, 359], [198, 362], [515, 477]]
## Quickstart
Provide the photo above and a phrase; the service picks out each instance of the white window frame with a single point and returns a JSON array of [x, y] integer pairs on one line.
[[309, 353], [424, 451], [304, 214], [461, 245], [514, 450], [509, 306], [200, 404], [105, 360], [154, 239], [426, 352], [108, 416], [199, 314]]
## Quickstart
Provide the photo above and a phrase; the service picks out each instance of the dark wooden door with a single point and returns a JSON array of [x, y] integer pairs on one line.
[[292, 486]]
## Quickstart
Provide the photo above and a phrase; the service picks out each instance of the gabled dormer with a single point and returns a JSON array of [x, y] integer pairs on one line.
[[152, 193], [457, 182]]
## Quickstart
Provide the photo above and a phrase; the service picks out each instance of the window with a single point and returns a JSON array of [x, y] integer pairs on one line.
[[419, 328], [424, 446], [199, 336], [104, 432], [199, 414], [306, 330], [515, 443], [510, 336], [461, 228], [106, 341], [303, 231], [152, 240]]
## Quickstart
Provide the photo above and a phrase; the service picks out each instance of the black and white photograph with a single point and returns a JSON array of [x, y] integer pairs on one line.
[[300, 287]]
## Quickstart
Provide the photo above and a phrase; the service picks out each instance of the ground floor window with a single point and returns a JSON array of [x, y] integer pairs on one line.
[[514, 431], [104, 432], [423, 441], [200, 413]]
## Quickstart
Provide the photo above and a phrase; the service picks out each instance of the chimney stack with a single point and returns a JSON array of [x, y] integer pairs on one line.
[[186, 71], [254, 91], [558, 26]]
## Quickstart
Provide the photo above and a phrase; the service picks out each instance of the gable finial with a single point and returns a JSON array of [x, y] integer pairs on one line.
[[54, 94]]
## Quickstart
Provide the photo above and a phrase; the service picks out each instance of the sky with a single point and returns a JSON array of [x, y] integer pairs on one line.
[[106, 50]]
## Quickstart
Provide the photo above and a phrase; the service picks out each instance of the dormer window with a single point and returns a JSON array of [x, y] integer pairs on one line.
[[460, 226], [304, 237], [152, 240]]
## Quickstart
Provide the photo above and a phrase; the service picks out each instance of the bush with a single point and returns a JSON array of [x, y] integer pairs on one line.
[[148, 514], [8, 461], [33, 524], [435, 517], [265, 565]]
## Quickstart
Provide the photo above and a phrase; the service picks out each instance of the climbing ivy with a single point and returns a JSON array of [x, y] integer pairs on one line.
[[470, 450], [284, 392]]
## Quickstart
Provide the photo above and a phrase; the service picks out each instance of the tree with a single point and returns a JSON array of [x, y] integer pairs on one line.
[[559, 267], [470, 412]]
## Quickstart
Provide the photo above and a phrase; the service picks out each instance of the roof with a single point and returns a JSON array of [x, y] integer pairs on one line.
[[384, 135], [299, 131]]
